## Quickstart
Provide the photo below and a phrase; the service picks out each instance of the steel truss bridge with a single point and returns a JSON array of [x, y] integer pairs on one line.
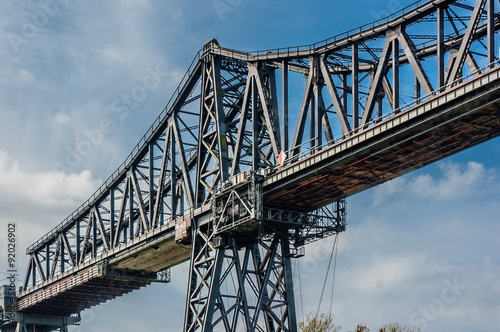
[[235, 178]]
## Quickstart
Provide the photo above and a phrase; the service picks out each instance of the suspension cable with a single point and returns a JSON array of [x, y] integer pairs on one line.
[[333, 278], [327, 273], [300, 289]]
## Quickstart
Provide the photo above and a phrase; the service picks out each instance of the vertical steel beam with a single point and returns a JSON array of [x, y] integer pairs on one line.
[[173, 181], [491, 32], [285, 105], [111, 217], [33, 270], [319, 116], [312, 123], [440, 48], [312, 102], [124, 229], [181, 200], [162, 217], [131, 207], [151, 184], [395, 75], [125, 225], [47, 260], [380, 104], [288, 278], [202, 149], [77, 235], [417, 90], [344, 91], [355, 86], [61, 243], [93, 220], [255, 126], [318, 107]]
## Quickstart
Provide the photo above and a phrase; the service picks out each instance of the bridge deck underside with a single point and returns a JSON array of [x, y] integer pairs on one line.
[[82, 289], [76, 293], [156, 256], [438, 133]]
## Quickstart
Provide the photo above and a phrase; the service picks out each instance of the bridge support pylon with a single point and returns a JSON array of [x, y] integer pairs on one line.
[[240, 268], [241, 283]]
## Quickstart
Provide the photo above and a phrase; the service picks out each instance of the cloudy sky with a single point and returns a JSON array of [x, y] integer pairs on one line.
[[422, 250]]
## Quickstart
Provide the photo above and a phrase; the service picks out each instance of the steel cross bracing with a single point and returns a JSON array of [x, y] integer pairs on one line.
[[241, 260], [203, 184]]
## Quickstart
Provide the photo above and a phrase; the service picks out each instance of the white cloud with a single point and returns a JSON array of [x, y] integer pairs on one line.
[[385, 273], [378, 286], [37, 201], [136, 3], [24, 77], [389, 188], [62, 118], [455, 180], [51, 189], [177, 14]]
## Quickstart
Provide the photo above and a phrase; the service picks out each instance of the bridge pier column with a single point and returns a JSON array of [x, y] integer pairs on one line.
[[240, 268], [241, 283]]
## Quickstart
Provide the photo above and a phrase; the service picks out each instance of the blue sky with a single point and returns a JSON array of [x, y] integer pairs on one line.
[[422, 249]]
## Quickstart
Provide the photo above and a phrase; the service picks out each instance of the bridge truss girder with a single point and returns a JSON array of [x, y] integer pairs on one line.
[[239, 122]]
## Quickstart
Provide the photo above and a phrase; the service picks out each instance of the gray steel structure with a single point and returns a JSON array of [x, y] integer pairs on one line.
[[209, 182]]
